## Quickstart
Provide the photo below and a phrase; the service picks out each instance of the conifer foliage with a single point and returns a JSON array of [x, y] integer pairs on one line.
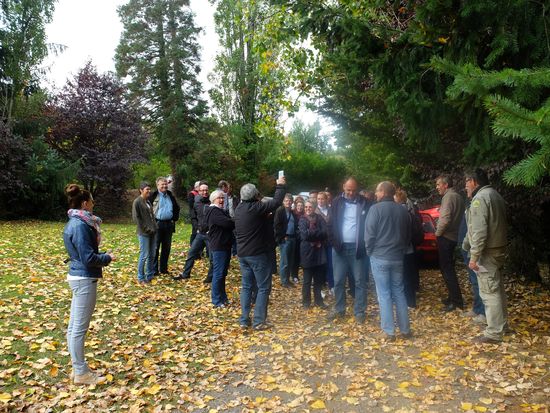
[[519, 108]]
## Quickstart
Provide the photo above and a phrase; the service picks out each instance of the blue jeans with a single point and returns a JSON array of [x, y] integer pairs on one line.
[[146, 268], [345, 263], [255, 270], [82, 308], [220, 261], [199, 243], [478, 306], [287, 252], [388, 277]]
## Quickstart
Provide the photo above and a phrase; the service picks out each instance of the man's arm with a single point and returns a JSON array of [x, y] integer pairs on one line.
[[444, 216], [479, 213], [370, 230]]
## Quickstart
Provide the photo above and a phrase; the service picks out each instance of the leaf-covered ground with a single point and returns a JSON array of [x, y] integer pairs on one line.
[[164, 348]]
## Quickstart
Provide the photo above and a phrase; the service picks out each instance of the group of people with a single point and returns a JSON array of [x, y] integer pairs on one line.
[[335, 241]]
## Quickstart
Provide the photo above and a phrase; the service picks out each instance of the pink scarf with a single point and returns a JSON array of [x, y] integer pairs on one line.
[[92, 220]]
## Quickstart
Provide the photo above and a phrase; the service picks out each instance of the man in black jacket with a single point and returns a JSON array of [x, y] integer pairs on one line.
[[167, 212], [192, 216], [252, 248], [201, 239], [347, 236]]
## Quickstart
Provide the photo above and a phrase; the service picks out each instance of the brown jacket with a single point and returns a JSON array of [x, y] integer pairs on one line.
[[450, 215]]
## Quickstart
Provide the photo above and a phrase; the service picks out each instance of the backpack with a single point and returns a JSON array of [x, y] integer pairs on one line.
[[417, 230]]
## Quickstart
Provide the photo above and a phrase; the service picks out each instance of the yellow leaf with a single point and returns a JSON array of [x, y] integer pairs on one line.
[[485, 400], [109, 378], [296, 402], [166, 354], [351, 400], [277, 348], [269, 379], [54, 371], [318, 404], [379, 385], [50, 346], [5, 397], [404, 384], [480, 408], [466, 406], [260, 400], [154, 389]]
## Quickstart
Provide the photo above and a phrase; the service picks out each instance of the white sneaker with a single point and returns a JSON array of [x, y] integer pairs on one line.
[[88, 378]]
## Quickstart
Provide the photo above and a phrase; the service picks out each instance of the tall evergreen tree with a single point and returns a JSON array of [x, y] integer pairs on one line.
[[159, 54]]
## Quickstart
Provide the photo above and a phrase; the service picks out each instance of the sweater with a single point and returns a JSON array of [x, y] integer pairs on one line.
[[388, 230], [142, 215], [220, 228]]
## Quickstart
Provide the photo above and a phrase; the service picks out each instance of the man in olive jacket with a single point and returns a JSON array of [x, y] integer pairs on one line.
[[486, 241], [450, 215]]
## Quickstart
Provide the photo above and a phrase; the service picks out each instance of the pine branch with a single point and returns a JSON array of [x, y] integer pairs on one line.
[[511, 119], [529, 171]]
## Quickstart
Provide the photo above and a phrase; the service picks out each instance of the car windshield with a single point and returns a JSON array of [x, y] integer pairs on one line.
[[428, 223]]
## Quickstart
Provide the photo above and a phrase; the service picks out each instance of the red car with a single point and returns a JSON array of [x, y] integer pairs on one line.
[[427, 250]]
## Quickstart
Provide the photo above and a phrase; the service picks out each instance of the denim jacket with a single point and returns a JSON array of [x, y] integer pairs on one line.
[[81, 244]]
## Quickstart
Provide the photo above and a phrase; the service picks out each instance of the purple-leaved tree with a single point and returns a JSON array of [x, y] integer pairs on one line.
[[92, 121]]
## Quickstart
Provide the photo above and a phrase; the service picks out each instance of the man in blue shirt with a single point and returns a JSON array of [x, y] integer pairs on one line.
[[347, 236], [167, 212]]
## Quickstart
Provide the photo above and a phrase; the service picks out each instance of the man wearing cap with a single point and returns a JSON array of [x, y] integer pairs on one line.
[[252, 248], [486, 241]]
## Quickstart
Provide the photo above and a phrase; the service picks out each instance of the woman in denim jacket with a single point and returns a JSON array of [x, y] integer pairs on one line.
[[82, 237]]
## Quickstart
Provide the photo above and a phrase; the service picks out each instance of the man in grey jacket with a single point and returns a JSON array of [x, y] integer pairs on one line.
[[387, 236], [450, 215]]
